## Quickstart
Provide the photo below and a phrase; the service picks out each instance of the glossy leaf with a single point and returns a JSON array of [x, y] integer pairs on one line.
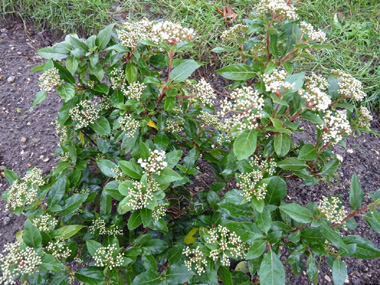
[[183, 71], [245, 144], [271, 270], [31, 236], [356, 193], [307, 152], [339, 272], [297, 212], [101, 126], [237, 72]]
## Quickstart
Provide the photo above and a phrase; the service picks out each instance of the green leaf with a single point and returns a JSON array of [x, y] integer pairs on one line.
[[263, 220], [333, 236], [237, 72], [72, 64], [102, 88], [292, 163], [10, 176], [64, 73], [245, 144], [92, 246], [356, 193], [123, 208], [247, 231], [104, 36], [73, 203], [178, 274], [90, 275], [40, 97], [144, 151], [307, 152], [373, 219], [66, 91], [52, 53], [134, 220], [273, 45], [276, 190], [182, 71], [281, 144], [131, 169], [101, 126], [312, 268], [125, 186], [31, 236], [339, 272], [146, 216], [190, 238], [257, 249], [297, 212], [271, 270], [50, 263], [225, 274], [69, 231], [297, 79], [311, 117], [105, 204], [78, 44], [173, 157], [330, 167], [147, 278], [57, 191], [223, 49], [131, 73], [364, 248], [167, 176], [175, 253], [107, 167]]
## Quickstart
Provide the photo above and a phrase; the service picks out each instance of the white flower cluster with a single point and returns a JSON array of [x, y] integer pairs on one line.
[[171, 32], [62, 132], [155, 162], [118, 80], [118, 173], [333, 210], [315, 98], [105, 103], [365, 118], [108, 256], [245, 106], [175, 125], [100, 225], [20, 194], [315, 80], [132, 32], [50, 79], [349, 87], [134, 91], [313, 35], [248, 183], [196, 257], [275, 82], [17, 262], [204, 91], [229, 243], [278, 8], [45, 222], [58, 249], [84, 114], [232, 32], [263, 164], [129, 125], [159, 212], [259, 49], [208, 119], [335, 126], [140, 195]]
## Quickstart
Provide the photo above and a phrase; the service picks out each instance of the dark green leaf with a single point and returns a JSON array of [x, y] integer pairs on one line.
[[257, 249], [311, 117], [292, 163], [57, 191], [330, 167], [373, 219], [146, 216], [107, 167], [92, 246], [40, 97], [245, 144], [297, 212], [237, 72], [356, 193], [276, 190], [178, 274], [105, 204], [66, 91], [69, 231], [364, 248], [31, 236], [339, 272], [182, 71], [167, 176], [281, 144], [73, 203], [173, 157], [72, 64], [134, 220], [312, 268], [307, 152], [130, 169], [52, 53], [90, 275], [263, 220], [131, 73], [101, 126], [104, 36], [50, 263], [247, 231], [225, 274], [102, 88], [147, 278], [10, 176], [271, 270]]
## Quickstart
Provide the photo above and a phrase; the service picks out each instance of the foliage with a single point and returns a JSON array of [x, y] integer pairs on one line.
[[135, 131]]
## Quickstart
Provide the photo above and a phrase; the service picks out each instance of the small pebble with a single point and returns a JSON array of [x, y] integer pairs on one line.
[[11, 79], [6, 220], [23, 139], [327, 278]]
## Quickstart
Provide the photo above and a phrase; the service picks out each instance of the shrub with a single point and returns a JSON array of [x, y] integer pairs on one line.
[[135, 131]]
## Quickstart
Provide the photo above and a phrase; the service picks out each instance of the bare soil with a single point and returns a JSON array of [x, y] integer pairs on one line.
[[28, 140]]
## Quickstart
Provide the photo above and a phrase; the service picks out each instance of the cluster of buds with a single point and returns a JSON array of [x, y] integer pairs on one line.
[[155, 162], [108, 256], [100, 225], [118, 79], [315, 80], [171, 32], [84, 114], [134, 91], [24, 192], [263, 164], [20, 260], [332, 208], [58, 249], [315, 98], [246, 106], [175, 125], [159, 212], [129, 125], [279, 9], [312, 34], [118, 173], [140, 195], [228, 244], [276, 83], [197, 258], [50, 79], [132, 32], [204, 91], [62, 132], [364, 118], [233, 32], [259, 49], [45, 222], [349, 87], [208, 119], [248, 183], [335, 126], [105, 103]]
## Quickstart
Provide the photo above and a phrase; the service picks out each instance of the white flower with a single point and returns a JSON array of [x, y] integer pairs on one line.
[[315, 98], [84, 114], [129, 125], [108, 256], [155, 162], [278, 8], [45, 222], [275, 82], [349, 87], [365, 118], [134, 91], [50, 79], [175, 125], [170, 32], [58, 249], [335, 126], [332, 209], [197, 258], [232, 32], [313, 35]]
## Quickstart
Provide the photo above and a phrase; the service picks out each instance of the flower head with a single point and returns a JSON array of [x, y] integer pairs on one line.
[[365, 118], [233, 32], [332, 208], [197, 258], [335, 126], [108, 256], [275, 82], [277, 8], [84, 113], [312, 34], [50, 79], [349, 87], [155, 162]]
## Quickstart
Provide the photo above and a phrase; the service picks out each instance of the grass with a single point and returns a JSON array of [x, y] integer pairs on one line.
[[352, 26]]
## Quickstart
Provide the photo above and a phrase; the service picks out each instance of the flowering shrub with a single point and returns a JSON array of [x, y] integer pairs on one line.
[[119, 207]]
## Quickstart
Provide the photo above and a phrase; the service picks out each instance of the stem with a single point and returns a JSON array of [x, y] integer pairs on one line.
[[355, 213], [275, 111], [170, 63], [268, 52], [292, 118], [188, 96], [90, 139]]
